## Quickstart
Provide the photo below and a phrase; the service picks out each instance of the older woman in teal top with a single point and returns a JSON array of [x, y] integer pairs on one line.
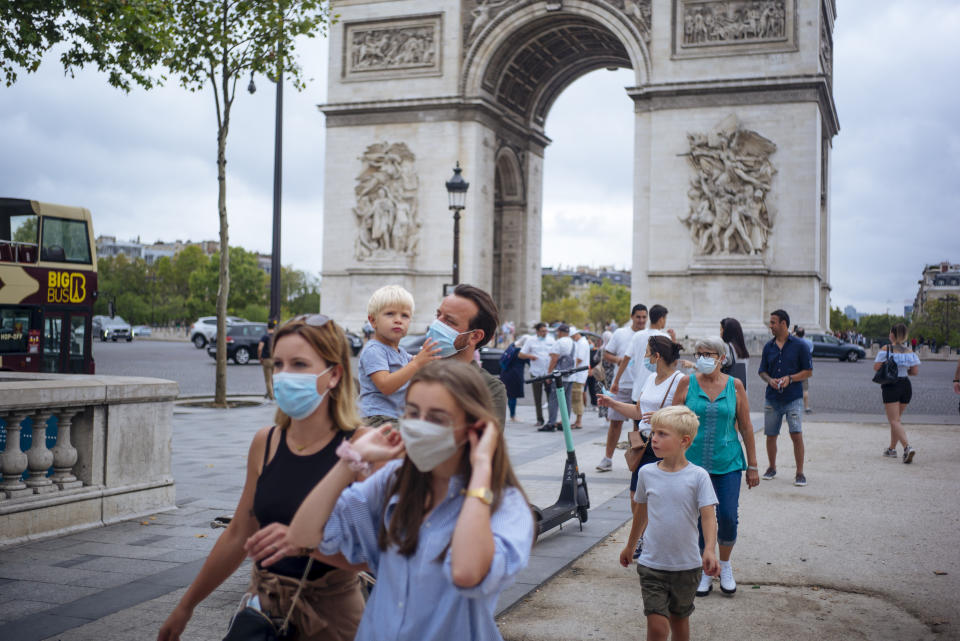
[[720, 402]]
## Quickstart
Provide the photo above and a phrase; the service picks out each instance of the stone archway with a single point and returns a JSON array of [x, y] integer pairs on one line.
[[731, 204]]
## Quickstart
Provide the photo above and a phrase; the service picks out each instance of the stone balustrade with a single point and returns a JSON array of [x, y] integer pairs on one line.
[[110, 461]]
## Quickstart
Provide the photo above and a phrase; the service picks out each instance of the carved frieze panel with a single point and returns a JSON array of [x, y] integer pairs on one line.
[[732, 27], [728, 194], [477, 14], [388, 223], [639, 12], [392, 48]]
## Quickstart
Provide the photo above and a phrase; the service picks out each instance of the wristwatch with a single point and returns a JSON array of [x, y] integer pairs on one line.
[[482, 493]]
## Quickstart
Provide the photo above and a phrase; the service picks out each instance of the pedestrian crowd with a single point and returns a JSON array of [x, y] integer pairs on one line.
[[400, 478], [408, 481]]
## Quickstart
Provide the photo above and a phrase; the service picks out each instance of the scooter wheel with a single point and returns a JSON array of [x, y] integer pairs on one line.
[[582, 509]]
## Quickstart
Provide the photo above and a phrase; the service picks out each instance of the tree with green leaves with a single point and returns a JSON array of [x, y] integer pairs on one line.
[[554, 288], [568, 310], [877, 326], [839, 321], [299, 292], [940, 321], [605, 302], [125, 39], [213, 44]]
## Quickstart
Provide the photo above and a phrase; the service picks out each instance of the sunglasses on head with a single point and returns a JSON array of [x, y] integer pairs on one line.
[[313, 320]]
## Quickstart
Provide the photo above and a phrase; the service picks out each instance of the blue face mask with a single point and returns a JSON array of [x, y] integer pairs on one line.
[[705, 364], [541, 338], [297, 394], [444, 335], [650, 366]]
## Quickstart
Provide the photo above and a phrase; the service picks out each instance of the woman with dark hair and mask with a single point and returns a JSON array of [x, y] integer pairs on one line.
[[314, 391], [445, 529]]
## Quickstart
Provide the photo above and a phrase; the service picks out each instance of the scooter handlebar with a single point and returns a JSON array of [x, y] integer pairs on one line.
[[558, 373]]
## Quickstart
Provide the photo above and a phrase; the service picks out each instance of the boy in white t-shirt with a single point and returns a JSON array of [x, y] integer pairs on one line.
[[672, 494]]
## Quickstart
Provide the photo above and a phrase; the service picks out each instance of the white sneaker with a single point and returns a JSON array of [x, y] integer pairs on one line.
[[727, 584], [606, 465], [706, 584]]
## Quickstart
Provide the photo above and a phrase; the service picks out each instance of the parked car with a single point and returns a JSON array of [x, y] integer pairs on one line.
[[142, 330], [356, 343], [111, 329], [489, 356], [242, 340], [203, 331], [827, 346]]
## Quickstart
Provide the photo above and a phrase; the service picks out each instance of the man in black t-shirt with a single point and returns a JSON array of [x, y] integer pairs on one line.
[[265, 356]]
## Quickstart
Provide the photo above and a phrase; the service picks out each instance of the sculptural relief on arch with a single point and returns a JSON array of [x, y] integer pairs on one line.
[[728, 193], [386, 209], [733, 117]]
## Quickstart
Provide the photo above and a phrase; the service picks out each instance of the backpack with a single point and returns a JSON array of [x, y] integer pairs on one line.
[[508, 357], [566, 361]]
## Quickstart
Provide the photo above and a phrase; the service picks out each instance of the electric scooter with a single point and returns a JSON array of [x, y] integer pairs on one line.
[[574, 500]]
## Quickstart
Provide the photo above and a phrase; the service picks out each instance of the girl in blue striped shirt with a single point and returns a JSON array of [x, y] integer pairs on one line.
[[445, 529]]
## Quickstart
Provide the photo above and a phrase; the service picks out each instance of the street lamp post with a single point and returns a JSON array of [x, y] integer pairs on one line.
[[457, 194], [275, 268]]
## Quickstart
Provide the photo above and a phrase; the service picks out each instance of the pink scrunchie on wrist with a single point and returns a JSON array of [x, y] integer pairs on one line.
[[346, 452]]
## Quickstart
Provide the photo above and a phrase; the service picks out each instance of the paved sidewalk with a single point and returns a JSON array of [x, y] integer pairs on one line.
[[853, 555], [121, 581], [868, 550]]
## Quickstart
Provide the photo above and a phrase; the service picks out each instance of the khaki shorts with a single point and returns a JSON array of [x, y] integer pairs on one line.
[[668, 593], [577, 401]]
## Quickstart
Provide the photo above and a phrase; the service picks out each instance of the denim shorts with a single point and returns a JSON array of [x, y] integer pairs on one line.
[[774, 411]]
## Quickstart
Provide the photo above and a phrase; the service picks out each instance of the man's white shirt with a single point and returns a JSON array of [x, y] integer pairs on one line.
[[637, 350], [618, 345], [541, 349], [581, 357]]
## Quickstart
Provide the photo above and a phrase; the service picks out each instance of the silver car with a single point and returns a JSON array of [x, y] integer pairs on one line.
[[203, 331]]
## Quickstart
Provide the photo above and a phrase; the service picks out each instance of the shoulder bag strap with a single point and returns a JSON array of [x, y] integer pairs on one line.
[[296, 597], [672, 381]]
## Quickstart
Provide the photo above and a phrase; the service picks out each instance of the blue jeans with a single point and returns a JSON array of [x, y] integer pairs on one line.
[[512, 405], [727, 488]]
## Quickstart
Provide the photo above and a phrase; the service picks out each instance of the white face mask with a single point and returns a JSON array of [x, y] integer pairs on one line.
[[428, 444]]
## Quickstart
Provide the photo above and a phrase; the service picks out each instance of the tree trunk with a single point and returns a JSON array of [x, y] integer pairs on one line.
[[223, 290]]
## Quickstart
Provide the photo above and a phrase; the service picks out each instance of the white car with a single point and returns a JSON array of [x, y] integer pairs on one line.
[[203, 331]]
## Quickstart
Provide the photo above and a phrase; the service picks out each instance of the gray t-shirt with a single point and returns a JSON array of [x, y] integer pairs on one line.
[[674, 499], [377, 357]]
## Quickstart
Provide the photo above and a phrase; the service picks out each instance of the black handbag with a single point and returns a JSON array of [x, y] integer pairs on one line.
[[888, 372], [253, 624]]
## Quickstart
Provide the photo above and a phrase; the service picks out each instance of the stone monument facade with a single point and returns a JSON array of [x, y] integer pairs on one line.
[[733, 128]]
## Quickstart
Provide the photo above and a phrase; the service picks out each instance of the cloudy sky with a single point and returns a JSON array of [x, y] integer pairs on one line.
[[144, 162]]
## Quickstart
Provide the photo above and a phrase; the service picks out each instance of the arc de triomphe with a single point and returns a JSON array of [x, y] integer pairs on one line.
[[733, 127]]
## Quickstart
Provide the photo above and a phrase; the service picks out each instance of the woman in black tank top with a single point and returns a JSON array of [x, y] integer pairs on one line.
[[313, 384]]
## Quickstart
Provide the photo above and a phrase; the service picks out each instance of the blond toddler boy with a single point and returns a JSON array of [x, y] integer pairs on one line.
[[384, 370]]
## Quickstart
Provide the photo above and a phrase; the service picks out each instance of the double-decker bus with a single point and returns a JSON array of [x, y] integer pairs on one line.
[[48, 284]]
